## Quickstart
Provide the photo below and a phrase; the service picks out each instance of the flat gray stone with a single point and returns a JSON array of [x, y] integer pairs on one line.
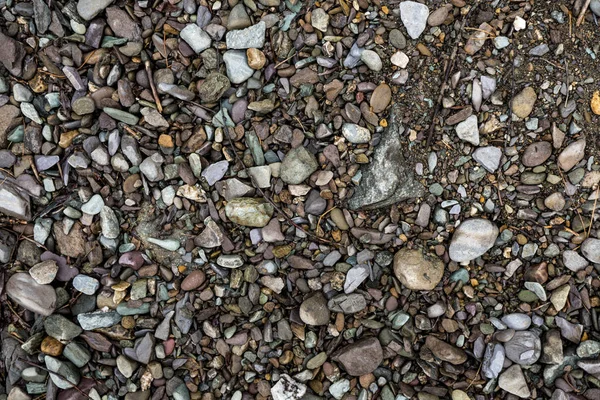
[[468, 130], [196, 38], [88, 9], [236, 65], [388, 178], [473, 238], [26, 292], [414, 17], [489, 157], [251, 37]]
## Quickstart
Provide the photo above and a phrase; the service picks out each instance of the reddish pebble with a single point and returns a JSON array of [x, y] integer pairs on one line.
[[194, 280]]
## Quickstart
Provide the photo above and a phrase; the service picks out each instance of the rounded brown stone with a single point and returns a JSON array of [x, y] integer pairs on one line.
[[193, 281], [51, 346], [418, 271]]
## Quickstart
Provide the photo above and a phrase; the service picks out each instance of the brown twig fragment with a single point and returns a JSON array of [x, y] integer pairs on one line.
[[582, 12], [148, 67]]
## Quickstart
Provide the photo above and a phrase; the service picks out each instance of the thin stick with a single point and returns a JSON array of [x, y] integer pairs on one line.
[[448, 71], [582, 12], [593, 212], [148, 67]]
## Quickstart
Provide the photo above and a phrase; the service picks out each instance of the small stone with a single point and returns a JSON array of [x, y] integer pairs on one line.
[[288, 389], [473, 238], [489, 157], [319, 19], [513, 381], [356, 134], [51, 346], [524, 348], [26, 292], [98, 319], [196, 38], [445, 351], [536, 154], [44, 272], [361, 357], [88, 9], [298, 165], [572, 155], [595, 103], [236, 65], [61, 328], [193, 280], [517, 321], [414, 17], [251, 37], [416, 270], [468, 130], [555, 202], [94, 205], [86, 284], [84, 106], [314, 311], [522, 104], [64, 374], [381, 97], [590, 249], [256, 58], [126, 366], [574, 261], [248, 211], [371, 60]]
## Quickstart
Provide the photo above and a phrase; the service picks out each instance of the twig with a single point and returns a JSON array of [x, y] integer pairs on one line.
[[582, 12], [148, 67], [593, 212], [448, 71], [567, 81]]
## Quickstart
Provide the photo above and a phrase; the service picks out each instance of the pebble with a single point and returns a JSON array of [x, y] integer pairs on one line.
[[536, 154], [590, 249], [314, 310], [298, 165], [489, 157], [361, 357], [236, 64], [371, 60], [288, 389], [572, 155], [196, 38], [517, 321], [574, 261], [88, 9], [524, 348], [356, 134], [94, 205], [445, 351], [414, 17], [251, 37], [472, 239], [523, 102], [248, 211], [25, 291], [64, 374], [513, 381], [86, 284], [418, 271], [98, 319], [44, 272], [468, 130]]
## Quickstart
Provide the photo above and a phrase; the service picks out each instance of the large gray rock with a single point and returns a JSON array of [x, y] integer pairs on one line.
[[64, 374], [361, 357], [525, 348], [88, 9], [472, 239], [513, 381], [591, 250], [389, 178], [24, 290]]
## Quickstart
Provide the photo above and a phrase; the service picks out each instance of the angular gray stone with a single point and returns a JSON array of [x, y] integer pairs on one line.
[[590, 248], [251, 37], [77, 354], [98, 319], [524, 348], [88, 9], [414, 17], [468, 130], [64, 374], [388, 178], [248, 211], [513, 381], [196, 38], [361, 357], [109, 223], [86, 284], [236, 65], [489, 157], [288, 389], [574, 261], [14, 202], [298, 165]]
